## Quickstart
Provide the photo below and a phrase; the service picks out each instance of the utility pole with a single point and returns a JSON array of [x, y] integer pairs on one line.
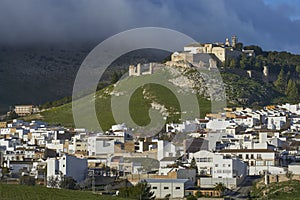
[[92, 174]]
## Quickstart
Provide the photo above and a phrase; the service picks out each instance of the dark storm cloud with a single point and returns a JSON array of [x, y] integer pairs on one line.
[[36, 21]]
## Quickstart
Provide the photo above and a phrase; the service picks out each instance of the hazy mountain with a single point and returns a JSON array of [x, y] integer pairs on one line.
[[37, 75]]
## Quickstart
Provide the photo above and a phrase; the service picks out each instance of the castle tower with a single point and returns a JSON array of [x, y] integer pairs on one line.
[[234, 41], [138, 70], [151, 68], [227, 43], [131, 70]]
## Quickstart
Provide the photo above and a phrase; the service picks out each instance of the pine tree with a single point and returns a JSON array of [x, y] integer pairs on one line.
[[146, 192], [194, 165], [142, 190], [280, 83], [292, 91], [298, 70], [233, 63], [115, 77]]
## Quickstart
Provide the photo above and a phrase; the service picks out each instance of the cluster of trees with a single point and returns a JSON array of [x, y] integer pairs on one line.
[[284, 65], [59, 102], [273, 59], [65, 183], [286, 85], [116, 76], [142, 190]]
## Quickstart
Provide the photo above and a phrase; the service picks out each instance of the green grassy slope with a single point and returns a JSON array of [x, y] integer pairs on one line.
[[239, 91], [139, 107], [22, 192], [283, 190], [140, 93]]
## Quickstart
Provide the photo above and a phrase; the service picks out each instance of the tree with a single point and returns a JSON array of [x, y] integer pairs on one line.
[[194, 165], [233, 63], [220, 187], [244, 62], [115, 77], [191, 197], [280, 83], [4, 172], [292, 91], [258, 50], [298, 69], [67, 183], [289, 175], [239, 46], [167, 197], [53, 181], [27, 180], [86, 184], [198, 194], [142, 190]]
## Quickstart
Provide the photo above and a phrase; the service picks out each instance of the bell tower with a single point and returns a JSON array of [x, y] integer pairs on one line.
[[234, 41]]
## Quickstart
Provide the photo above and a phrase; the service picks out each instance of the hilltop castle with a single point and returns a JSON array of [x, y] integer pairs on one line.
[[220, 51], [143, 69], [208, 56]]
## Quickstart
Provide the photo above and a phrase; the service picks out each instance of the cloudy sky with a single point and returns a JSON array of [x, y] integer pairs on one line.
[[273, 24]]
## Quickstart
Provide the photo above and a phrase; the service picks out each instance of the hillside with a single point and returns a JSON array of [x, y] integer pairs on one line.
[[22, 192], [139, 106], [239, 91], [244, 91], [36, 75], [281, 190]]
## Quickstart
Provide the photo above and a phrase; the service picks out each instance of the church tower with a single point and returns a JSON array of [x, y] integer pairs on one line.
[[227, 43], [234, 41]]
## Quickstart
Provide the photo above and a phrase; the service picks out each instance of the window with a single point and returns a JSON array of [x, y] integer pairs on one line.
[[216, 165], [258, 156], [228, 165], [154, 188], [259, 163], [268, 162], [177, 188], [63, 165], [247, 156], [252, 156], [166, 188], [205, 159]]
